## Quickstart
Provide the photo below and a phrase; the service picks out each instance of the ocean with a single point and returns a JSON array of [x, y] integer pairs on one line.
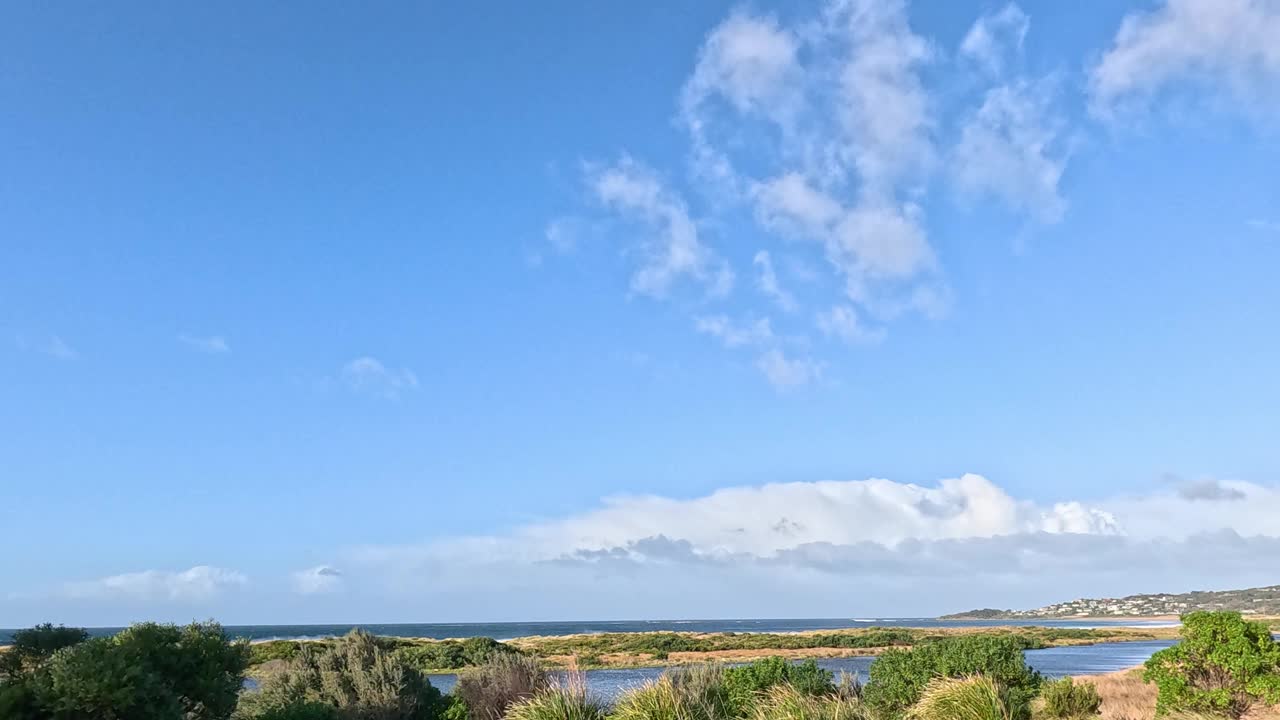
[[507, 630]]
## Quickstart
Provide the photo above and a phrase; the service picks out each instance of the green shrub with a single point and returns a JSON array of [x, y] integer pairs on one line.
[[744, 682], [563, 701], [1223, 665], [147, 672], [489, 689], [355, 676], [969, 698], [785, 702], [899, 677], [263, 652], [453, 654], [1067, 699], [35, 645]]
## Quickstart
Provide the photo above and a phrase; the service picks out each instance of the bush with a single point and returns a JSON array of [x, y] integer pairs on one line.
[[1223, 665], [300, 711], [1067, 699], [785, 702], [491, 688], [355, 676], [899, 677], [969, 698], [146, 672], [743, 683], [35, 645], [563, 701]]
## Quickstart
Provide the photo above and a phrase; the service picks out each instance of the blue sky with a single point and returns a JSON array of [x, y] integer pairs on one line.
[[430, 313]]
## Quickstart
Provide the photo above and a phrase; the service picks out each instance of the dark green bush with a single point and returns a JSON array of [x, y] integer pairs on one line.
[[147, 672], [33, 646], [301, 710], [1223, 665], [898, 677], [744, 683], [1066, 699]]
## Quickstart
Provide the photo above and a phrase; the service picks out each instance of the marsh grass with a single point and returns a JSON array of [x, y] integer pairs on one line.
[[1065, 699], [784, 702], [975, 697], [564, 699]]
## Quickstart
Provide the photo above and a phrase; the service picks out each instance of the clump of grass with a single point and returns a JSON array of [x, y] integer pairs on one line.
[[655, 700], [784, 702], [506, 679], [967, 698], [701, 691], [1065, 699], [565, 700]]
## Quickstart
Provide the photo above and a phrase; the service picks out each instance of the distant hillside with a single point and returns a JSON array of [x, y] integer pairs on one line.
[[1254, 601]]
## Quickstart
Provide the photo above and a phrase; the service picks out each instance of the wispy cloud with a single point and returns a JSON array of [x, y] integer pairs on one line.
[[1265, 225], [767, 282], [213, 344], [369, 375], [733, 335], [197, 583], [1221, 50], [50, 345], [671, 249]]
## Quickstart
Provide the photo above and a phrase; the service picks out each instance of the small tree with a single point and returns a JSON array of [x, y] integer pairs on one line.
[[1223, 665], [1066, 699]]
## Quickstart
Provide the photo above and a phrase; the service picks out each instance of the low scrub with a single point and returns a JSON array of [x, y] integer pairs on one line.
[[1066, 699]]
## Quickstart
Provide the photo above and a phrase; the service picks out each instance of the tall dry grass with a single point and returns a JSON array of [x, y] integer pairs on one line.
[[1126, 697], [966, 698]]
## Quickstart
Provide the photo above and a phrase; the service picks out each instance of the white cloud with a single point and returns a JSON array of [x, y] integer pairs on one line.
[[1012, 149], [726, 331], [673, 250], [198, 583], [208, 344], [1265, 225], [316, 580], [768, 283], [50, 345], [841, 322], [367, 374], [994, 37], [902, 548], [785, 372], [1224, 48]]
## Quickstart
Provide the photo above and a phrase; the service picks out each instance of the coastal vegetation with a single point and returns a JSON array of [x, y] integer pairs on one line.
[[1224, 667]]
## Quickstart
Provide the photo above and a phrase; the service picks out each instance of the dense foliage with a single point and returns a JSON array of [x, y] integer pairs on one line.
[[32, 647], [899, 677], [147, 672], [1223, 665], [355, 676], [744, 683], [1067, 699]]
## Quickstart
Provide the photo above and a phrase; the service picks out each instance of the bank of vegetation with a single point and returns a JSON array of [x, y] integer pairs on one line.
[[1224, 667]]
